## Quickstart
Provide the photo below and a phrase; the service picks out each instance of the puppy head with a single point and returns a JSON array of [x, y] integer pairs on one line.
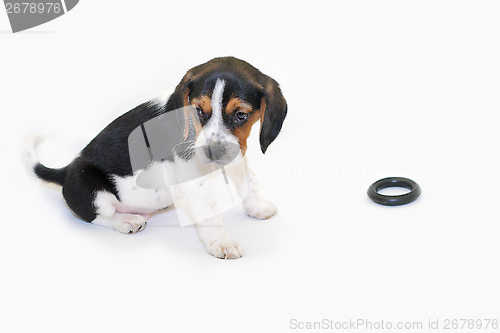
[[229, 96]]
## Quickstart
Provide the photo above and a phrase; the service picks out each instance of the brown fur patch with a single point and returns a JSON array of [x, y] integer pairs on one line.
[[263, 110], [237, 104], [242, 132], [204, 102]]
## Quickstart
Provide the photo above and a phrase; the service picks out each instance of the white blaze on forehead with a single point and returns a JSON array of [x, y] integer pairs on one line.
[[217, 101]]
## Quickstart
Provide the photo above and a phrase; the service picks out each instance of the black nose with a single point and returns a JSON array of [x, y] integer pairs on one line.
[[215, 151]]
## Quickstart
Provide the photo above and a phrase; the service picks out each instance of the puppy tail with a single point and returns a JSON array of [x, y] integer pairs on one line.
[[56, 176]]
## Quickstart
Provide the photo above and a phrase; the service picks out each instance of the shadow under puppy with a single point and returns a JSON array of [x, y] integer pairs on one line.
[[226, 97]]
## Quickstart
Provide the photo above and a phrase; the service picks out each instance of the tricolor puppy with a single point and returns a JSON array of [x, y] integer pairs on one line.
[[227, 96]]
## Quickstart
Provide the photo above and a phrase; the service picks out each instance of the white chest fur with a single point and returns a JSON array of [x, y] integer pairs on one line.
[[137, 199]]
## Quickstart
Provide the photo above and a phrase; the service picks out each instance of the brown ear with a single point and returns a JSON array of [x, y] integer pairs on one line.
[[180, 99], [274, 112], [180, 96]]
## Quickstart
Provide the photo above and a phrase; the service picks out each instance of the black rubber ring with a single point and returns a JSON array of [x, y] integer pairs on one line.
[[394, 200]]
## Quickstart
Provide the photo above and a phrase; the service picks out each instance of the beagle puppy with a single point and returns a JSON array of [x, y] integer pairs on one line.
[[219, 101]]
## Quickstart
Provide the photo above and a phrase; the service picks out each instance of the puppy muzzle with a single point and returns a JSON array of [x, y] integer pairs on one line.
[[218, 152], [215, 152]]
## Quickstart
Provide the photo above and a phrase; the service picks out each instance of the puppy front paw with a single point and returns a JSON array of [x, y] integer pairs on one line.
[[225, 249], [259, 208], [130, 223]]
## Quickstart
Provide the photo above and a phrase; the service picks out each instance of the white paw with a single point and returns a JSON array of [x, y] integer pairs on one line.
[[129, 223], [225, 249], [259, 208]]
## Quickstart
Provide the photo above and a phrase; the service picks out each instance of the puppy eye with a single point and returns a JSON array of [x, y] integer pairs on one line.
[[240, 116], [199, 111]]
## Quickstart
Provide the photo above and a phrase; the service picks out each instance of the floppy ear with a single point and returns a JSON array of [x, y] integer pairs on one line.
[[274, 110], [180, 99], [180, 96]]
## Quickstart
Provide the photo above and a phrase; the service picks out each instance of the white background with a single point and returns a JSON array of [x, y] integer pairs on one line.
[[375, 89]]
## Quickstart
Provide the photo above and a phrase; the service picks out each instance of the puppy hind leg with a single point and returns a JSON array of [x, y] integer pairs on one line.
[[90, 195], [107, 216]]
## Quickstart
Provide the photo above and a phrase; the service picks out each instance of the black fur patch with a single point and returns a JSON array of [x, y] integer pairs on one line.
[[55, 176], [109, 151], [83, 181]]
